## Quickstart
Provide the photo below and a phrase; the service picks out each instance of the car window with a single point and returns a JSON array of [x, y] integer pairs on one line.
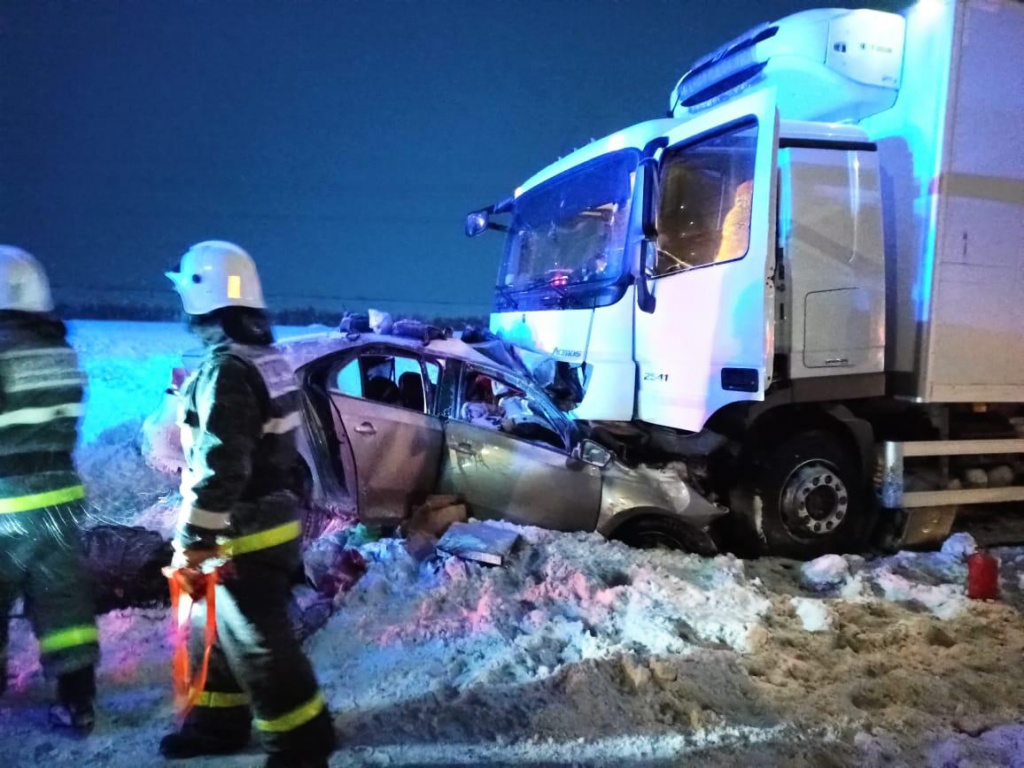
[[489, 401], [391, 379], [433, 372], [348, 380]]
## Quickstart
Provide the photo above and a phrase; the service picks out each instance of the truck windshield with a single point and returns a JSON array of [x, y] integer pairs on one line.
[[572, 229]]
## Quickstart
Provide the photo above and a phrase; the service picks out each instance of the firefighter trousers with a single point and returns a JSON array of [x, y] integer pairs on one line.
[[40, 561], [258, 673]]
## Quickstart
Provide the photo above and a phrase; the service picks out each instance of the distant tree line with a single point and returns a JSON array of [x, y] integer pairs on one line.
[[304, 316]]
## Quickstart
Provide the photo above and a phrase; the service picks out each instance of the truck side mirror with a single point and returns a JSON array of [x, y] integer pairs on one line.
[[650, 200], [477, 223], [645, 299]]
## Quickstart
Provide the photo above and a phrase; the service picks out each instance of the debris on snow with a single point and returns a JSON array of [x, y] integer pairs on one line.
[[380, 322], [959, 545], [826, 572], [945, 601], [332, 565], [482, 542], [308, 611], [814, 614], [435, 515]]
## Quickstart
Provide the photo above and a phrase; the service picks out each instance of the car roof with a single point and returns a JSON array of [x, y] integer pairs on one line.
[[301, 350]]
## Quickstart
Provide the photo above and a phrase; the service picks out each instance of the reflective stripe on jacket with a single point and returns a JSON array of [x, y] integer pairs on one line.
[[240, 414], [41, 394]]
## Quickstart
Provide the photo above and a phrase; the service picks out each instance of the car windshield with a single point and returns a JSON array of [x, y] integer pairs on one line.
[[571, 229]]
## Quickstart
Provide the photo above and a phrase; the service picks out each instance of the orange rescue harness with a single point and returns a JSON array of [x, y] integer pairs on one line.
[[188, 587]]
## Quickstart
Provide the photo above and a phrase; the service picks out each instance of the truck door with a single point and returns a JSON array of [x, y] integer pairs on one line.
[[708, 341]]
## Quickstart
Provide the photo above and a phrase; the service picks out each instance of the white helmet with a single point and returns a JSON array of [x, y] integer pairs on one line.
[[216, 274], [23, 283]]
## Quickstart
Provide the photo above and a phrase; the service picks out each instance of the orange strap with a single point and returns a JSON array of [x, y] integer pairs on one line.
[[187, 690]]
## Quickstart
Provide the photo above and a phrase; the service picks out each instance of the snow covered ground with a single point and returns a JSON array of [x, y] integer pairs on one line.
[[578, 652]]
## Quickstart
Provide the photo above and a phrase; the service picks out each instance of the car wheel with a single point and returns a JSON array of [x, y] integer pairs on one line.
[[664, 532]]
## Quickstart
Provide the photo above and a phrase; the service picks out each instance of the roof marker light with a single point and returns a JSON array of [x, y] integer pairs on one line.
[[929, 8]]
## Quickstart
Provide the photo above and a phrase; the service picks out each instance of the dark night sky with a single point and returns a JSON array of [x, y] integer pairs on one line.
[[340, 142]]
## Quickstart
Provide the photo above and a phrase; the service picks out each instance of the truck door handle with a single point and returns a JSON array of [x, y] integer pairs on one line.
[[366, 428], [466, 448]]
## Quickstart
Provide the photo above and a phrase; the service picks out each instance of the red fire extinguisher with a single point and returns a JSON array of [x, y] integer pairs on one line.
[[982, 576]]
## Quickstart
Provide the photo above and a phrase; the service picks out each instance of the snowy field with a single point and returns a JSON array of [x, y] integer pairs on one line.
[[579, 652]]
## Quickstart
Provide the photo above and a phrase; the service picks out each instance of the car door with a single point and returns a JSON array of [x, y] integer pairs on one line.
[[708, 341], [396, 440], [505, 476]]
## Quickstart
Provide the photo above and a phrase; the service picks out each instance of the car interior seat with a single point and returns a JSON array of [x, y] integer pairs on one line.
[[410, 388], [381, 390]]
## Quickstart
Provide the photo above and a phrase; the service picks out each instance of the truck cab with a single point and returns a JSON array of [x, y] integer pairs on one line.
[[765, 264]]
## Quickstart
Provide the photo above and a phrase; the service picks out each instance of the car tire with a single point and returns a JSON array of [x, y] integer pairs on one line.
[[664, 532], [813, 498]]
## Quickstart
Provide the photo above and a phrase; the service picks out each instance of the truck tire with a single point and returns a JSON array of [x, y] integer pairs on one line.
[[661, 531], [813, 498]]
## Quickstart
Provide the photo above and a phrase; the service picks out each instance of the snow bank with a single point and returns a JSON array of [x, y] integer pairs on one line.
[[571, 622], [579, 651], [933, 581]]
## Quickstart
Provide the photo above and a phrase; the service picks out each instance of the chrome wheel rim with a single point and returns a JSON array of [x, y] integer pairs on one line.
[[814, 500]]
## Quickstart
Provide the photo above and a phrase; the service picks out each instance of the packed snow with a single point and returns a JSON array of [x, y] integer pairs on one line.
[[576, 652]]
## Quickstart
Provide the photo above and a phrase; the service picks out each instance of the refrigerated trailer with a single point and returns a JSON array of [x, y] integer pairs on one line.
[[806, 280]]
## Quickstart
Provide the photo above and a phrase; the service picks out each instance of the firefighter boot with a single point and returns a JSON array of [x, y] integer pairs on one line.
[[295, 760], [191, 742], [76, 692], [313, 751]]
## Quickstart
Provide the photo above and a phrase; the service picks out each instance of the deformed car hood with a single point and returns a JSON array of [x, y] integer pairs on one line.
[[625, 489], [551, 377]]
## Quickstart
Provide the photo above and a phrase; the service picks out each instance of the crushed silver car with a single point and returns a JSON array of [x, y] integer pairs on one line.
[[391, 419]]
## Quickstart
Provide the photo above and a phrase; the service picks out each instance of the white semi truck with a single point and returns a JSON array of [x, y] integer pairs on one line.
[[807, 281]]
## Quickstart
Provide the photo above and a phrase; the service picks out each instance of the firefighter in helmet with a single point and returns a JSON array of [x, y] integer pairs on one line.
[[41, 495], [239, 415]]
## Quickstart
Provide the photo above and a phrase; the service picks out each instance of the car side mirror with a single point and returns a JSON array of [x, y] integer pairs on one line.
[[592, 453]]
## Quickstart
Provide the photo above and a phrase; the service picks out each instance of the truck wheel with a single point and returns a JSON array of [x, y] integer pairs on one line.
[[654, 532], [813, 496]]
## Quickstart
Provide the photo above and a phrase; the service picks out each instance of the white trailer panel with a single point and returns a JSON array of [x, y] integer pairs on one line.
[[952, 151], [976, 346]]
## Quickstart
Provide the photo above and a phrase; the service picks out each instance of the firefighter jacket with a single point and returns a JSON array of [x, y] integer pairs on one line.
[[41, 393], [240, 413]]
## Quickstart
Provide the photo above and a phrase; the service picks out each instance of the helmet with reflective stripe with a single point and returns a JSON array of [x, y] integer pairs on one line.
[[215, 274], [23, 283]]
